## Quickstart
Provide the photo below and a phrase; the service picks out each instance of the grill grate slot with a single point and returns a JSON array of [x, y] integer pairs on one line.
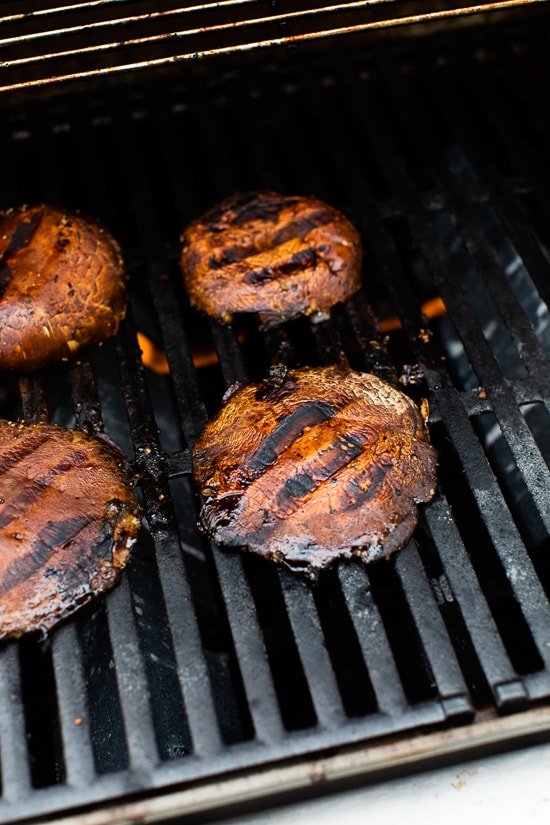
[[313, 653], [466, 589], [204, 661], [284, 635], [131, 681], [41, 716], [104, 711], [481, 539], [500, 527], [343, 647], [440, 657], [390, 697]]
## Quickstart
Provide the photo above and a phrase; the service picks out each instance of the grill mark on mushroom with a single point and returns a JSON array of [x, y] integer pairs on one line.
[[68, 519], [286, 433], [247, 207], [342, 478], [300, 227], [29, 442], [276, 256], [55, 535], [32, 491], [302, 260]]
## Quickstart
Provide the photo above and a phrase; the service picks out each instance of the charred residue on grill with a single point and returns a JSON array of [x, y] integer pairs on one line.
[[277, 384]]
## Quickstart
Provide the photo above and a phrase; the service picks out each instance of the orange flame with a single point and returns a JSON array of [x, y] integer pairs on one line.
[[155, 359], [152, 356], [434, 308]]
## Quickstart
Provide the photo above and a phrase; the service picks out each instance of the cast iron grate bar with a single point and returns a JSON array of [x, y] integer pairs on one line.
[[76, 49], [192, 669], [130, 676], [412, 327], [238, 600], [66, 654], [511, 550], [249, 646], [434, 638], [329, 350], [500, 525], [129, 670], [312, 649], [73, 705], [498, 112], [437, 645], [475, 611], [510, 207], [131, 681], [33, 400], [87, 408], [378, 656], [520, 439], [245, 629], [422, 607]]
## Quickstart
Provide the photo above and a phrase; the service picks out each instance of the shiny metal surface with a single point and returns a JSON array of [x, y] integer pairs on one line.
[[46, 46]]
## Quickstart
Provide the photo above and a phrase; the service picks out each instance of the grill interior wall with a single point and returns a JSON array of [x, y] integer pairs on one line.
[[204, 660]]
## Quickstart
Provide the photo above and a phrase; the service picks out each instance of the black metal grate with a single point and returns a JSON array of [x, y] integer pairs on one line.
[[204, 661], [47, 42]]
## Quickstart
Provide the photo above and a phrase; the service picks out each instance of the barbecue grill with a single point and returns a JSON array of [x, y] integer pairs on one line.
[[208, 677]]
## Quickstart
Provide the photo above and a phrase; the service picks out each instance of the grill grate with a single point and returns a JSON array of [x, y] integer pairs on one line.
[[204, 661], [46, 44]]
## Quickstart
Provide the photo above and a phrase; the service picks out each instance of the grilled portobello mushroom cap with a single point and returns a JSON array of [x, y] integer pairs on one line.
[[68, 519], [314, 465], [62, 287], [275, 255]]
